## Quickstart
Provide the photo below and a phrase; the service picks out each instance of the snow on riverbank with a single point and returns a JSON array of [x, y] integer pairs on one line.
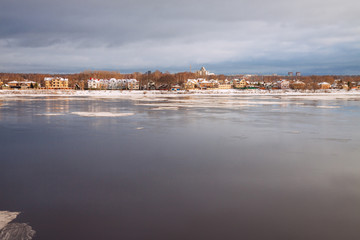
[[141, 94]]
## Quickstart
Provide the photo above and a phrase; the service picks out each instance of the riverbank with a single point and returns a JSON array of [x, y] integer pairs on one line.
[[137, 93]]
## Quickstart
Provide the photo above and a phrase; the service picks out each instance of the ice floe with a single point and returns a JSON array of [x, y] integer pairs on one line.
[[165, 108], [102, 114], [50, 114], [328, 107]]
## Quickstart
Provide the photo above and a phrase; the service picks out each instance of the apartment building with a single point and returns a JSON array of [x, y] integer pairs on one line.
[[56, 83], [113, 84]]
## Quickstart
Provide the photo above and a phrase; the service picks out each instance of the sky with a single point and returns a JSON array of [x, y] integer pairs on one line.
[[227, 37]]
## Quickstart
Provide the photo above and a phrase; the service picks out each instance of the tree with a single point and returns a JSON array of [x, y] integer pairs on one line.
[[168, 80]]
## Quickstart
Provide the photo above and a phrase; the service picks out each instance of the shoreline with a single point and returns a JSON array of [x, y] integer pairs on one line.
[[165, 93]]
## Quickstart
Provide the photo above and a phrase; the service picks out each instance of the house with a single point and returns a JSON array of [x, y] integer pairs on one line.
[[132, 84], [254, 84], [22, 84], [338, 83], [284, 84], [201, 83], [205, 84], [175, 88], [240, 84], [14, 84], [113, 84], [93, 83], [224, 86], [324, 85], [298, 85], [56, 83], [28, 84], [151, 85], [191, 84], [5, 86]]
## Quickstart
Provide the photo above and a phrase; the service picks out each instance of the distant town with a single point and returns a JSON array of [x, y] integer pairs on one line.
[[201, 80]]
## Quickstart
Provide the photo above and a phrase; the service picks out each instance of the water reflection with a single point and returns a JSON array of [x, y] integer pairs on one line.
[[199, 167]]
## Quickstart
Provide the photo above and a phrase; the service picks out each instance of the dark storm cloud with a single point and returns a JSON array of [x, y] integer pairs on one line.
[[41, 35]]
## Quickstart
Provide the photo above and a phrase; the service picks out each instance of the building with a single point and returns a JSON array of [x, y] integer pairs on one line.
[[204, 72], [191, 84], [240, 83], [22, 84], [132, 84], [205, 84], [150, 86], [93, 83], [298, 85], [56, 83], [14, 84], [28, 84], [298, 74], [113, 84], [290, 74], [345, 87], [224, 86], [324, 85], [175, 88], [284, 84], [201, 83], [338, 84]]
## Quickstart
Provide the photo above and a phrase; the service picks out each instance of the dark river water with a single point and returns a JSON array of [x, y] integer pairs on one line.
[[199, 167]]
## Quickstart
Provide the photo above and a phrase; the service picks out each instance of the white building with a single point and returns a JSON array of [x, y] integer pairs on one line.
[[204, 72], [201, 83], [284, 84], [113, 84]]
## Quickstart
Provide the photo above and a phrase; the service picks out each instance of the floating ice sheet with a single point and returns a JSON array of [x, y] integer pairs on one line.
[[165, 108], [50, 114], [102, 114], [328, 107]]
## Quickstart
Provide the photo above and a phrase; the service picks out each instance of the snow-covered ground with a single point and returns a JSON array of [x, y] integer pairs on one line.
[[157, 93]]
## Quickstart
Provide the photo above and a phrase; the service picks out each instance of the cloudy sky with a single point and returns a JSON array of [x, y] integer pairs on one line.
[[229, 36]]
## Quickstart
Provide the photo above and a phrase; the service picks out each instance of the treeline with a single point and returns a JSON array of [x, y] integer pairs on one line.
[[307, 79], [156, 77], [165, 78]]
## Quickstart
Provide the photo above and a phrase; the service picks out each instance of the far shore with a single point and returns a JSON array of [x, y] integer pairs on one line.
[[157, 93]]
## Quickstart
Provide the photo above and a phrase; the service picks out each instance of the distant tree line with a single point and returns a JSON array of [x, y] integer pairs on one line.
[[166, 79]]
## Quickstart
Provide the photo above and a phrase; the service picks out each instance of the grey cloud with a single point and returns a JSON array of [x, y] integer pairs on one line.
[[131, 34]]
